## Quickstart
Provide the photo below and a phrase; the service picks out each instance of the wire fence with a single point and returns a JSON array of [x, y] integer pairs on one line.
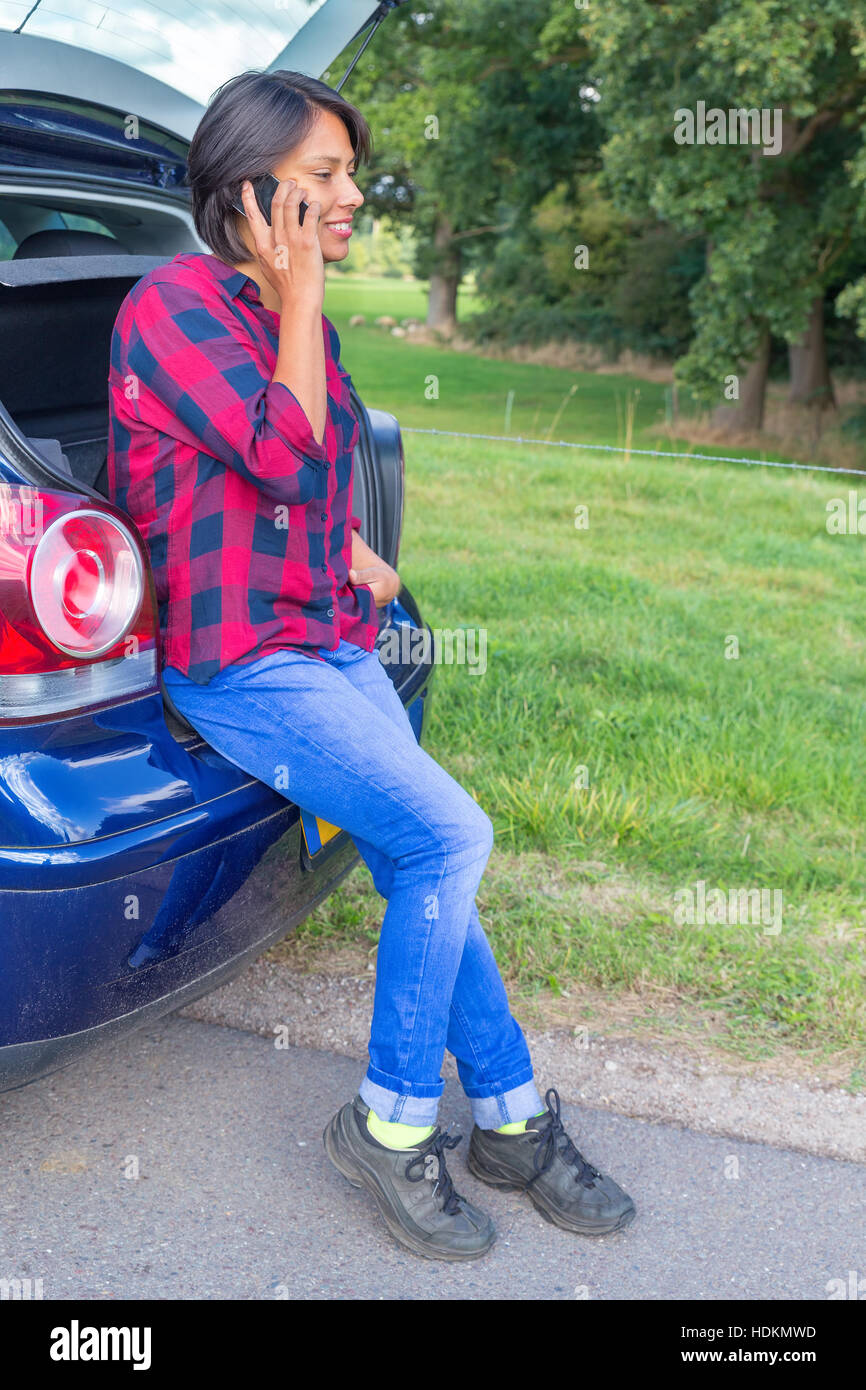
[[627, 449]]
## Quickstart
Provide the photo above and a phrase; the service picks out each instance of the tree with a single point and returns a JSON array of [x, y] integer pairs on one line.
[[788, 77], [578, 268], [474, 124], [852, 299]]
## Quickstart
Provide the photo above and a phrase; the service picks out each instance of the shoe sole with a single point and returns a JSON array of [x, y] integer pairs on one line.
[[546, 1209], [358, 1176]]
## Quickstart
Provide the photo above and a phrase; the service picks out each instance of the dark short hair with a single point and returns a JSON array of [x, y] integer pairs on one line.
[[251, 122]]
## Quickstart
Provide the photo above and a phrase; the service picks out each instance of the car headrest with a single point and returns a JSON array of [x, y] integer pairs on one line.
[[62, 241]]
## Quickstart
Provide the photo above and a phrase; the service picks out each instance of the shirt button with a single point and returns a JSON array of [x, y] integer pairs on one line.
[[324, 569], [324, 516], [330, 612]]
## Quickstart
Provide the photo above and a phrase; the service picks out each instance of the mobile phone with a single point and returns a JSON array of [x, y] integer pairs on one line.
[[264, 187]]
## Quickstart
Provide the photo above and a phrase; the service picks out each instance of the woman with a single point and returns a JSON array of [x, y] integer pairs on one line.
[[232, 438]]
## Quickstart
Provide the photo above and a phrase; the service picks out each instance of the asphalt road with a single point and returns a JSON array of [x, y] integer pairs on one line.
[[235, 1199]]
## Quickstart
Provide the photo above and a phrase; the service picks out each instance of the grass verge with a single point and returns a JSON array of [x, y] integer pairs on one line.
[[672, 687]]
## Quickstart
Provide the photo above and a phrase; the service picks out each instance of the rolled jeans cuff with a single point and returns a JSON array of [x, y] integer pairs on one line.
[[489, 1112], [395, 1107], [507, 1107]]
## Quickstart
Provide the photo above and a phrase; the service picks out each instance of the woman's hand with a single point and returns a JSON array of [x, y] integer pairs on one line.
[[290, 254], [381, 579], [369, 568]]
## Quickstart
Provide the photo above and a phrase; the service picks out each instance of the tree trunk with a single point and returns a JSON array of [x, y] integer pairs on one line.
[[811, 383], [747, 413], [445, 278]]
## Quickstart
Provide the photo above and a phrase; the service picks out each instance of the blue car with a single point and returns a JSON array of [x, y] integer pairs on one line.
[[138, 868]]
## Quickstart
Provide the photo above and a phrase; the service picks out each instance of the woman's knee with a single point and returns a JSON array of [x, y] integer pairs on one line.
[[484, 829], [468, 829], [448, 827]]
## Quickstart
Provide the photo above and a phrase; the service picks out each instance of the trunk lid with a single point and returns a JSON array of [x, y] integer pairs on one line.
[[162, 64]]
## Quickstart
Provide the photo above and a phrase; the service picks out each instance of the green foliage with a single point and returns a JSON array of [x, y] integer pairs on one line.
[[651, 295], [472, 127], [852, 302], [581, 269], [510, 134], [777, 224], [379, 250]]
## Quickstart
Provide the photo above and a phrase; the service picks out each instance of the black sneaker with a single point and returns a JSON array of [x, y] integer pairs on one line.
[[545, 1164], [412, 1187]]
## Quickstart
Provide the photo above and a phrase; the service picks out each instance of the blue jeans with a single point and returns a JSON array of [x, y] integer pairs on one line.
[[333, 737]]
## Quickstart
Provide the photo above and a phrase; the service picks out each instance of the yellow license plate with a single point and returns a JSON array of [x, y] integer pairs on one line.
[[316, 832]]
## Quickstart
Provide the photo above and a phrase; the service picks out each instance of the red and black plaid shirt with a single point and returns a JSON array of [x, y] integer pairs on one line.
[[247, 518]]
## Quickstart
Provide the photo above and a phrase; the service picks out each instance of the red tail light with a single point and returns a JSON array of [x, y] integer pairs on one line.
[[86, 583], [77, 622]]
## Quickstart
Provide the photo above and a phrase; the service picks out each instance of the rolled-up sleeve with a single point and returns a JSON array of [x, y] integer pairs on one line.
[[193, 372]]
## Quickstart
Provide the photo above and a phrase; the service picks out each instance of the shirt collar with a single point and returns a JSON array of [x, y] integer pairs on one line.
[[236, 282], [233, 280]]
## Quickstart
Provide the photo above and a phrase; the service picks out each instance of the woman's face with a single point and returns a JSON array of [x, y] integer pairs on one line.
[[323, 165]]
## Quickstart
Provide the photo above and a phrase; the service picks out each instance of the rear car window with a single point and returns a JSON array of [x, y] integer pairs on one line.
[[84, 224], [19, 220]]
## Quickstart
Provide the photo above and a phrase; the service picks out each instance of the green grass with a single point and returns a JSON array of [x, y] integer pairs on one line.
[[606, 651], [347, 293]]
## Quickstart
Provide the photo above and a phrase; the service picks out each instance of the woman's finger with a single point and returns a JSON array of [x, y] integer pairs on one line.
[[286, 198], [261, 232], [278, 205], [253, 211], [311, 218]]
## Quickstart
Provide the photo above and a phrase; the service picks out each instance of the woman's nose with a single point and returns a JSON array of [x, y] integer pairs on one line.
[[354, 196]]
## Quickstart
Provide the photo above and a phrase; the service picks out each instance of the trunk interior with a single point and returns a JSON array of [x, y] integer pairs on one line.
[[58, 315]]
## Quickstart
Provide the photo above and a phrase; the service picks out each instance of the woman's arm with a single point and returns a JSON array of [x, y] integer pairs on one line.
[[190, 370], [291, 258], [370, 569]]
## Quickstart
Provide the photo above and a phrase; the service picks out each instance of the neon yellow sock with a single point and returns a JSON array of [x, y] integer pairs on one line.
[[518, 1126], [397, 1136]]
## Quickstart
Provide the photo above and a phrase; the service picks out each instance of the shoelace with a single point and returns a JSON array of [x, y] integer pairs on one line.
[[548, 1145], [443, 1184]]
